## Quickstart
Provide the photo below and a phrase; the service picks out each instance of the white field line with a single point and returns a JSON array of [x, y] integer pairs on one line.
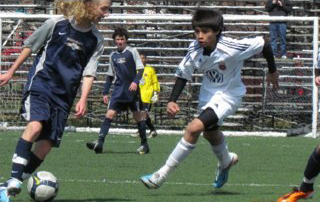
[[174, 183], [122, 131], [105, 181]]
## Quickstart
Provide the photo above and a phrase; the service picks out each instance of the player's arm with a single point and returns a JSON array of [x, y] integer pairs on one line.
[[140, 71], [172, 106], [183, 73], [139, 76], [85, 89], [108, 83], [155, 85], [107, 86], [273, 75], [31, 45], [134, 85], [287, 6], [4, 78], [270, 5]]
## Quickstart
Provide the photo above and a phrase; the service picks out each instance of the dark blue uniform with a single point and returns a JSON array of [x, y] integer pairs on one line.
[[66, 53], [123, 67]]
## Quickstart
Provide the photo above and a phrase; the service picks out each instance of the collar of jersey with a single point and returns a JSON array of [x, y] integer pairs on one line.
[[76, 27]]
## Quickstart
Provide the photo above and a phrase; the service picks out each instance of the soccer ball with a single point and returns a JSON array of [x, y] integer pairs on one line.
[[42, 186]]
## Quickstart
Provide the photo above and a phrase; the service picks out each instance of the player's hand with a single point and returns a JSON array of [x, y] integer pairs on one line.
[[274, 79], [317, 81], [280, 3], [172, 109], [105, 99], [80, 109], [133, 87], [274, 1], [154, 99], [4, 78]]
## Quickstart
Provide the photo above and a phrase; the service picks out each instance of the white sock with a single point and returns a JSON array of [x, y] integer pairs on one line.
[[222, 153], [181, 151]]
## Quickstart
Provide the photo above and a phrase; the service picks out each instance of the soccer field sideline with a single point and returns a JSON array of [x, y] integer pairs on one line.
[[122, 131]]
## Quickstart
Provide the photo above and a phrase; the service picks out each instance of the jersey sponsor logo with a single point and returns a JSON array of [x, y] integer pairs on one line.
[[222, 66], [214, 76], [120, 60], [74, 44]]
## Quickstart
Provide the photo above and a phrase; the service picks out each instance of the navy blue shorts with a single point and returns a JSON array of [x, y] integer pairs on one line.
[[118, 106], [38, 107]]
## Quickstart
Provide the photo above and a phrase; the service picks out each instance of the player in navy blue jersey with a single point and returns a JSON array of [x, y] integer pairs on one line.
[[68, 49], [126, 70]]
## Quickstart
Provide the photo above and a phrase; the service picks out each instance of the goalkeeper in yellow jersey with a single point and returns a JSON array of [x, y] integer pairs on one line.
[[149, 90]]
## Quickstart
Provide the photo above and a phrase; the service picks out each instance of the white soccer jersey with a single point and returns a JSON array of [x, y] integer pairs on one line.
[[222, 69]]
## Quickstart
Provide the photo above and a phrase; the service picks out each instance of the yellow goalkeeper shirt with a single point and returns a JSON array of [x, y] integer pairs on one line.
[[148, 84]]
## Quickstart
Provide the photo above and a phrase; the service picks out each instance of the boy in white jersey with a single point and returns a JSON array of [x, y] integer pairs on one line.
[[220, 59]]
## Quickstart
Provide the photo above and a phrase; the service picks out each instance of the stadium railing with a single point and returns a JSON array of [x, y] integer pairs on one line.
[[166, 38]]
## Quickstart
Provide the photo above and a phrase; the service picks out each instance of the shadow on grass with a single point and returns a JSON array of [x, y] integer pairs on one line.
[[119, 152], [222, 193], [217, 193]]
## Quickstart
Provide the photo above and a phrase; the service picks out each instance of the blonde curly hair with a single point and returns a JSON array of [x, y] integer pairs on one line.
[[81, 10]]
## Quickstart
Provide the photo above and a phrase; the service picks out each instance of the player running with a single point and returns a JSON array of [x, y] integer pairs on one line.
[[68, 49], [220, 59]]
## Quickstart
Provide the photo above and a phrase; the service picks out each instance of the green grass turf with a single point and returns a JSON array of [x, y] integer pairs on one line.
[[268, 168]]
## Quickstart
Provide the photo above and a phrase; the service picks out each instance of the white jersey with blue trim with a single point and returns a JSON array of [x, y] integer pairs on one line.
[[222, 68]]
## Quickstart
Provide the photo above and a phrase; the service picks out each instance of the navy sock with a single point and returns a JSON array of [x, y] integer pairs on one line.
[[20, 158], [104, 130], [33, 163], [312, 170], [149, 124], [142, 131]]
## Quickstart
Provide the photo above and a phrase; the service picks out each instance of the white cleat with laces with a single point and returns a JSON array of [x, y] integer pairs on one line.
[[153, 181]]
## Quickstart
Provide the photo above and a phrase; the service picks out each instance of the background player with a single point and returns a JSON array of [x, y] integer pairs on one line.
[[68, 49], [220, 59], [124, 64], [149, 90]]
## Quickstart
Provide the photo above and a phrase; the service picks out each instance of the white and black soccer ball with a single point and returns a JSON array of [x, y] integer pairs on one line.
[[42, 186]]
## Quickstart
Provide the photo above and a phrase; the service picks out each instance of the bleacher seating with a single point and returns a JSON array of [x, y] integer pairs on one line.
[[167, 42]]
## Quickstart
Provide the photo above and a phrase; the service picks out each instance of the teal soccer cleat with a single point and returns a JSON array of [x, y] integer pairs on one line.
[[4, 197], [222, 174], [153, 181]]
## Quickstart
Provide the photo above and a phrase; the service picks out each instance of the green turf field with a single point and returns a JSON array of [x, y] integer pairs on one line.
[[268, 168]]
